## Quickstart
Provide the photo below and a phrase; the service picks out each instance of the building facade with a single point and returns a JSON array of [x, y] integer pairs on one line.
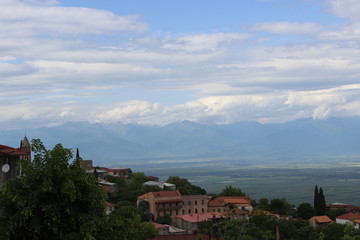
[[10, 158]]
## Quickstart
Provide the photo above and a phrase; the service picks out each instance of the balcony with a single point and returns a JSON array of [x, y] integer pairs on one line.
[[168, 208]]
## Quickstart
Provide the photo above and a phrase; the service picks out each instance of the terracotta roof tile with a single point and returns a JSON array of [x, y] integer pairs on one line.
[[322, 219], [349, 216], [163, 194]]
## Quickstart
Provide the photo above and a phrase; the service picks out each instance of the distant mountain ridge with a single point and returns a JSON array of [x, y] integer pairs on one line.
[[116, 142]]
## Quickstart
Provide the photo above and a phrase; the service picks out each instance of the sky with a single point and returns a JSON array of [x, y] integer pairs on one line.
[[155, 62]]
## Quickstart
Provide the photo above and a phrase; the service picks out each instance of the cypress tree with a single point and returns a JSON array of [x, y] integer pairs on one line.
[[321, 203], [316, 198]]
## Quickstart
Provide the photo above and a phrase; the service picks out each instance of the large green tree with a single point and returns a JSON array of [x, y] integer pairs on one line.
[[185, 187], [56, 199], [53, 199], [231, 191]]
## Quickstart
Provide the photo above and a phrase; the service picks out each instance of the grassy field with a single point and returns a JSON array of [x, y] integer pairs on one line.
[[293, 179]]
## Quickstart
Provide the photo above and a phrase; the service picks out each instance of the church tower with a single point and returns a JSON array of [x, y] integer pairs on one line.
[[26, 147]]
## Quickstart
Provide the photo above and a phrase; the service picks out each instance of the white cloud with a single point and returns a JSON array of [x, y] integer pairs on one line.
[[288, 28], [201, 42], [348, 9], [24, 19]]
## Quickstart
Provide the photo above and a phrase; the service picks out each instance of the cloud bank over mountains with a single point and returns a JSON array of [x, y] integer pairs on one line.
[[61, 64]]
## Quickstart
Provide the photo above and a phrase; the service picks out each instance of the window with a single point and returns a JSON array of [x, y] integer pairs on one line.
[[202, 210], [189, 211], [195, 210], [189, 203], [177, 212], [195, 202]]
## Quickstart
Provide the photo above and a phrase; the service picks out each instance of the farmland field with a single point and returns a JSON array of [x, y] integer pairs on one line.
[[293, 179]]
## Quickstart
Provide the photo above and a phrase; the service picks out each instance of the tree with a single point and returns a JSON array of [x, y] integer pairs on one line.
[[231, 191], [165, 219], [280, 206], [321, 204], [263, 204], [126, 224], [316, 198], [185, 187], [305, 211], [54, 199]]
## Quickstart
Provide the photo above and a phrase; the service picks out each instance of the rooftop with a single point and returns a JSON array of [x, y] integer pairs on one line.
[[322, 219], [237, 201], [166, 194], [349, 216], [9, 151]]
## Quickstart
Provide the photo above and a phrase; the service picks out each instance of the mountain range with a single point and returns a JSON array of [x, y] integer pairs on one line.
[[117, 142]]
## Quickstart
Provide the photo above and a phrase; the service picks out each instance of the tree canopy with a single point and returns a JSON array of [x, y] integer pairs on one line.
[[56, 199]]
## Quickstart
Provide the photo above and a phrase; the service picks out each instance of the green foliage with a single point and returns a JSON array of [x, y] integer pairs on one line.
[[319, 201], [305, 211], [263, 204], [333, 231], [126, 224], [129, 191], [54, 199], [322, 203], [185, 187], [143, 208], [280, 206], [334, 213], [231, 191], [165, 219]]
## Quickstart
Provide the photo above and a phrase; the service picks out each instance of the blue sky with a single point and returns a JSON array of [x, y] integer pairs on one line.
[[157, 62]]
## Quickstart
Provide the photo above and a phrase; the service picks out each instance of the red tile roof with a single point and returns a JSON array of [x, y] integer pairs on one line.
[[144, 196], [349, 216], [158, 225], [111, 204], [237, 211], [199, 217], [163, 194], [237, 201], [9, 151], [322, 219]]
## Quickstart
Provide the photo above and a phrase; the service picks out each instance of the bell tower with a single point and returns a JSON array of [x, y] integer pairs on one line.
[[26, 147]]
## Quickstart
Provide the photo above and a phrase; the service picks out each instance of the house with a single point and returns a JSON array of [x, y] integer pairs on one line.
[[154, 183], [194, 204], [119, 172], [165, 185], [224, 203], [189, 222], [320, 221], [267, 213], [346, 207], [349, 218], [237, 214], [106, 186], [152, 178], [110, 207], [10, 157], [165, 229], [162, 229], [173, 203], [164, 202]]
